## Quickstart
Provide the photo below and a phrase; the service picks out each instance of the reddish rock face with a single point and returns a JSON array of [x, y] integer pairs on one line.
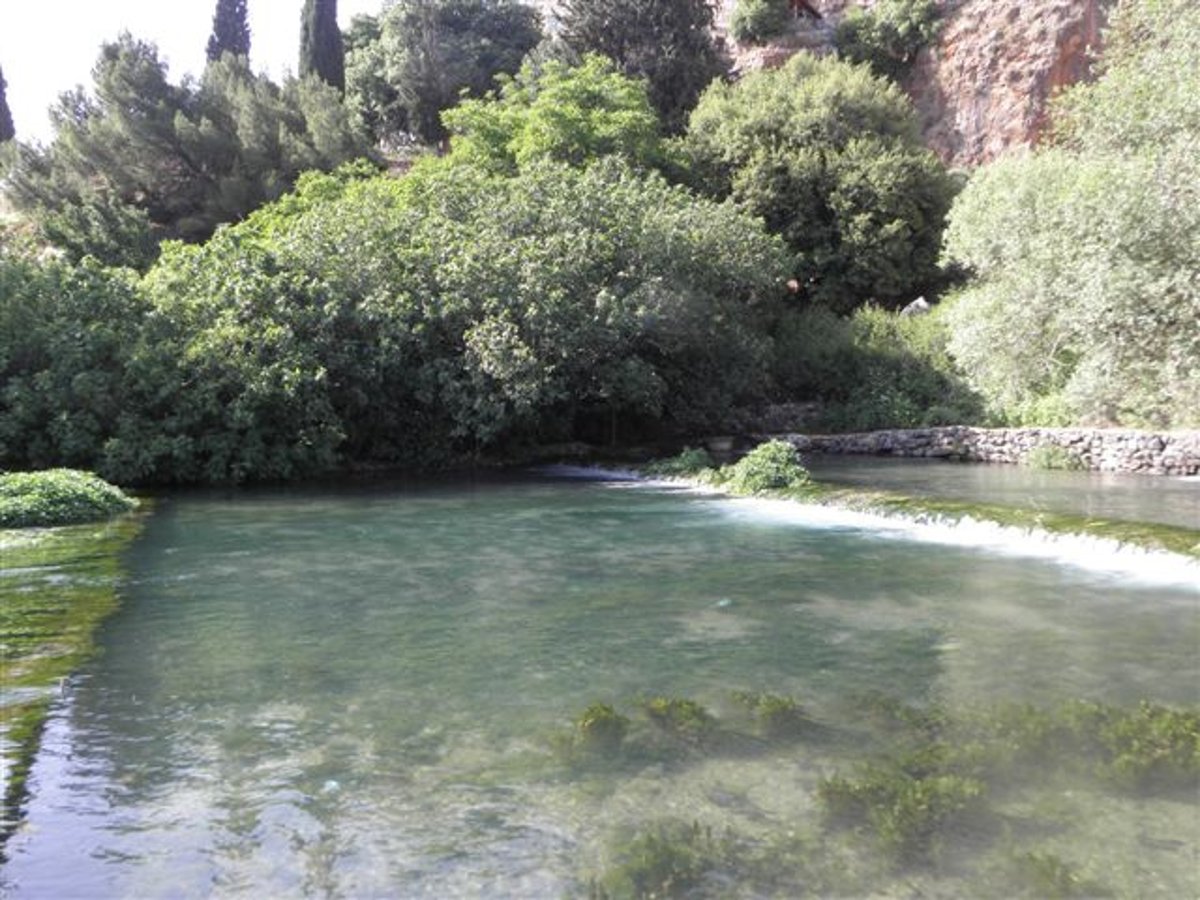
[[985, 86]]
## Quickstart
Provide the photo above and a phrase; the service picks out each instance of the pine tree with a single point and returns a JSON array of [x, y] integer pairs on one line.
[[230, 33], [321, 50], [7, 132]]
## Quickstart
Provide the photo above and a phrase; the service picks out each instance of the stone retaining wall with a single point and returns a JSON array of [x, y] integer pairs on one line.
[[1105, 450]]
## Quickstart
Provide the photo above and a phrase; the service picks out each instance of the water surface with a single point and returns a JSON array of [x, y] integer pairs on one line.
[[1105, 495], [357, 692]]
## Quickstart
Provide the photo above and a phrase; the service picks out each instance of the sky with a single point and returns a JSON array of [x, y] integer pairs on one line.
[[49, 46]]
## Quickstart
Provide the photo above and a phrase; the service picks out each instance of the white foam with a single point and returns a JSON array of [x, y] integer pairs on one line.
[[1155, 568], [1097, 554]]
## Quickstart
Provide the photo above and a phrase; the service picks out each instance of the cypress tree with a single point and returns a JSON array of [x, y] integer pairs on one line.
[[230, 33], [7, 132], [321, 51]]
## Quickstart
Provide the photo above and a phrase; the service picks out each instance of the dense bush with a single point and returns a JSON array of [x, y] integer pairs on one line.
[[875, 369], [888, 36], [756, 21], [771, 466], [405, 321], [58, 497], [829, 156], [66, 334], [1085, 302]]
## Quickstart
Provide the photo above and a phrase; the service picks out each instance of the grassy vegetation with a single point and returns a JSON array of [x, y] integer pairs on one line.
[[70, 581], [58, 497]]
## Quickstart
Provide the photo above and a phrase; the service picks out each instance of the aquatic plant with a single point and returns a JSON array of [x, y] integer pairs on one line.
[[1048, 877], [907, 814], [680, 718], [771, 466], [600, 729], [58, 497], [667, 860], [775, 716], [46, 631], [1153, 747], [690, 461]]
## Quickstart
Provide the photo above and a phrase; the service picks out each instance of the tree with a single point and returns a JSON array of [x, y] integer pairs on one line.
[[321, 50], [146, 160], [574, 115], [230, 33], [829, 156], [757, 21], [667, 42], [1085, 302], [888, 36], [7, 131], [429, 53]]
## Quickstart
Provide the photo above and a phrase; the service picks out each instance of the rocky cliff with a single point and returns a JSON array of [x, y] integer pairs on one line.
[[984, 86]]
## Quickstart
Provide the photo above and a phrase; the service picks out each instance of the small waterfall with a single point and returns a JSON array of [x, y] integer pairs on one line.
[[1155, 568]]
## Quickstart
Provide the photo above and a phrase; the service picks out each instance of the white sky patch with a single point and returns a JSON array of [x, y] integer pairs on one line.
[[49, 46]]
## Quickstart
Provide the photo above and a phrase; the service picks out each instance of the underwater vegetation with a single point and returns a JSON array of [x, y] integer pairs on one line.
[[928, 794], [70, 581]]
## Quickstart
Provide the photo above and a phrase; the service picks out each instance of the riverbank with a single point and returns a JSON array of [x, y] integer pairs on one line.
[[1097, 449]]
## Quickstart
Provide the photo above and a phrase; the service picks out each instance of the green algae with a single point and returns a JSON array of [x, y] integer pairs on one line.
[[56, 586]]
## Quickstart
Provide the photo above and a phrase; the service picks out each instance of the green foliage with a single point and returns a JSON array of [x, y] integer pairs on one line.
[[569, 114], [143, 159], [428, 54], [66, 334], [58, 497], [690, 461], [666, 42], [757, 21], [1084, 306], [829, 157], [888, 36], [1145, 96], [7, 131], [322, 55], [877, 369], [1051, 456], [230, 32], [401, 321], [771, 466]]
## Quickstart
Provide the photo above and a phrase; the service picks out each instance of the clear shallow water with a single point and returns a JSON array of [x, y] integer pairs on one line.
[[356, 692], [1105, 495]]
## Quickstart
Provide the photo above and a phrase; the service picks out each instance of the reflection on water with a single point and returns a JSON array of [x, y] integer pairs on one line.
[[358, 693], [1105, 495]]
